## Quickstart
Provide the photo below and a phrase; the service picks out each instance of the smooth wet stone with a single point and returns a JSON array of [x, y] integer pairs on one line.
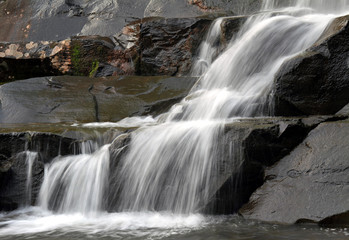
[[168, 45], [316, 81], [83, 99], [310, 184], [246, 147]]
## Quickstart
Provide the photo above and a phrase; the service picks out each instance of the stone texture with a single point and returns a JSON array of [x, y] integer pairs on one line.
[[14, 166], [84, 99], [310, 184], [167, 46], [316, 81], [240, 167], [37, 20]]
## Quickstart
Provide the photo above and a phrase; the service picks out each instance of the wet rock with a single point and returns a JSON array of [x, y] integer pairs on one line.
[[230, 26], [167, 46], [16, 188], [310, 184], [48, 145], [316, 81], [248, 147], [84, 99]]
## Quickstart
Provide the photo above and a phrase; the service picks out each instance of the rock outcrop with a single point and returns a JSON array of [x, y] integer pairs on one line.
[[84, 99], [15, 151], [308, 185], [151, 46], [40, 20], [167, 46], [316, 81], [246, 147]]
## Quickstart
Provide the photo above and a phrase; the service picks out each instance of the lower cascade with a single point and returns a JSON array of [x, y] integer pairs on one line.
[[167, 172]]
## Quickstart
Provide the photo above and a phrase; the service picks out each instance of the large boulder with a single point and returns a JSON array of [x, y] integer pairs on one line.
[[244, 149], [84, 99], [310, 184], [167, 46], [150, 46], [316, 81]]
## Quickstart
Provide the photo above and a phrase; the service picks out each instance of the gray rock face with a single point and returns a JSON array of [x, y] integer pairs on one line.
[[49, 20], [316, 81], [167, 46], [84, 99], [36, 20], [310, 184]]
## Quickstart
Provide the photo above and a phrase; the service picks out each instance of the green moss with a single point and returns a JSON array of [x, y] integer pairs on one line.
[[95, 65], [76, 59]]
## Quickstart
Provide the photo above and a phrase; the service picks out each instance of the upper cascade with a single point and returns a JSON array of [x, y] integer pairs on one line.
[[321, 6]]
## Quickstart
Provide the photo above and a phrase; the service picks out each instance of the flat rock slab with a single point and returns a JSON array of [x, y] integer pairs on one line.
[[83, 99], [310, 184]]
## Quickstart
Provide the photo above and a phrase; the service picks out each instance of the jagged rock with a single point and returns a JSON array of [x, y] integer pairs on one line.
[[239, 171], [38, 20], [167, 45], [316, 81], [84, 99], [49, 145], [310, 184], [80, 56], [150, 46], [248, 147]]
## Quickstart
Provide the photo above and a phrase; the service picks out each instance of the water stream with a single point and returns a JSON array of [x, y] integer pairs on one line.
[[167, 175], [30, 158]]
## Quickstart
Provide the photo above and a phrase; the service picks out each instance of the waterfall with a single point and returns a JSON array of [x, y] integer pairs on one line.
[[208, 48], [30, 158], [76, 183], [323, 6], [171, 165]]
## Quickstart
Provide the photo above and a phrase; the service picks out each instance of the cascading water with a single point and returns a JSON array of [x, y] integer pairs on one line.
[[170, 164], [208, 49], [30, 158], [76, 183], [323, 6]]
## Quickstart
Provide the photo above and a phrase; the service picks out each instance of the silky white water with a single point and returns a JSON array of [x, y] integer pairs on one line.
[[168, 172], [209, 49], [30, 158], [76, 184], [322, 6]]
